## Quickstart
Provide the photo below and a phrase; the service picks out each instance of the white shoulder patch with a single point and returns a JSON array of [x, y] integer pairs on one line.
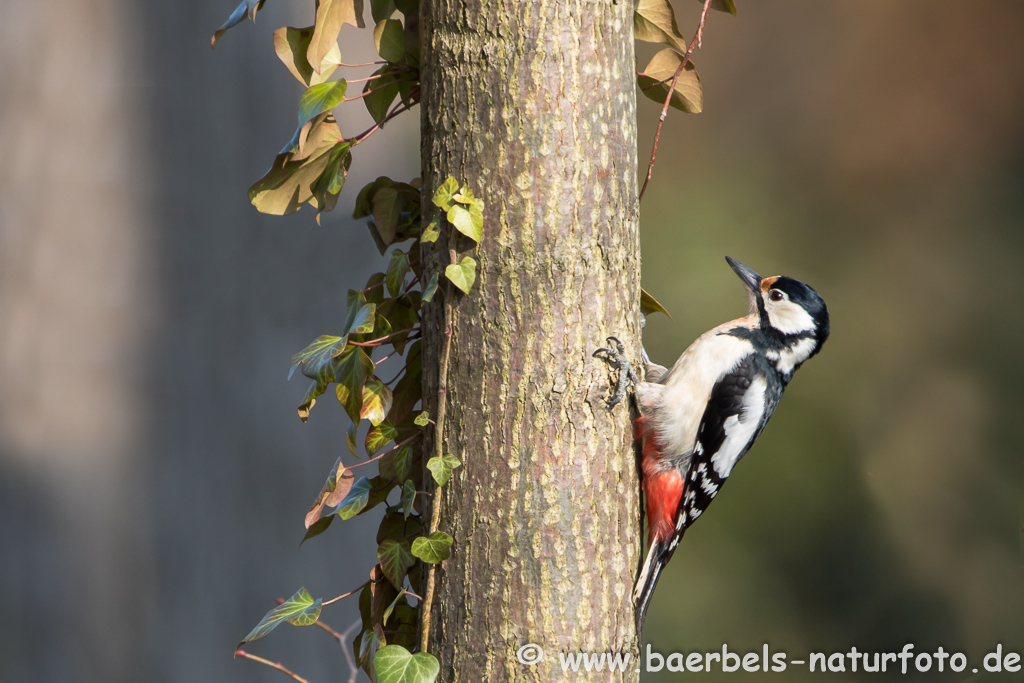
[[740, 429]]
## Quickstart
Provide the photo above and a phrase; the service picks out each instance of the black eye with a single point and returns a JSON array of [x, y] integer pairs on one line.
[[776, 295]]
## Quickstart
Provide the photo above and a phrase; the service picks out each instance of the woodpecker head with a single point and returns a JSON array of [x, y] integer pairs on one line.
[[785, 307]]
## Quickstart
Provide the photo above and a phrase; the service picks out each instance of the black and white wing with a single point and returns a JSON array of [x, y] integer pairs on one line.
[[741, 403]]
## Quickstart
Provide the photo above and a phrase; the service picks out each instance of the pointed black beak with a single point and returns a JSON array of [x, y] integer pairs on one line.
[[751, 279]]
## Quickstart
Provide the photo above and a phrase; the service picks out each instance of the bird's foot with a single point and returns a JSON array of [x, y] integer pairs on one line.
[[615, 355]]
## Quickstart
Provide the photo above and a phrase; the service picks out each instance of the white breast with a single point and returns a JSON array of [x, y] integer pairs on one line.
[[678, 405]]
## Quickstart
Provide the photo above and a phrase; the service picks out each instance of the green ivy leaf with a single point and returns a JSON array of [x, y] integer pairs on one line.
[[397, 527], [432, 231], [338, 483], [331, 15], [379, 436], [395, 559], [314, 392], [291, 45], [398, 268], [320, 98], [373, 292], [357, 498], [434, 548], [351, 434], [386, 213], [391, 607], [431, 289], [246, 7], [389, 39], [394, 664], [315, 360], [397, 465], [657, 76], [442, 468], [353, 367], [654, 21], [380, 93], [380, 489], [409, 390], [722, 6], [408, 498], [408, 7], [376, 401], [363, 322], [369, 643], [648, 304], [354, 300], [404, 315], [443, 196], [462, 275], [464, 222], [328, 184], [286, 186], [465, 196], [299, 610], [363, 207], [381, 9], [422, 420], [382, 593], [317, 528]]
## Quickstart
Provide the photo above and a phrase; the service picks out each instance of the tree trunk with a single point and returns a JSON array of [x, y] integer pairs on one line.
[[532, 103]]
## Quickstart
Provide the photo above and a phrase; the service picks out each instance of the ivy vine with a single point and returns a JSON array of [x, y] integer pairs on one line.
[[383, 318]]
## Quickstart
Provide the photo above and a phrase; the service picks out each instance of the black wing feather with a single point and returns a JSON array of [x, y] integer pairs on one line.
[[727, 400]]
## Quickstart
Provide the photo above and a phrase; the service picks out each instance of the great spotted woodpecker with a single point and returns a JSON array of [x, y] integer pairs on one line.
[[699, 418]]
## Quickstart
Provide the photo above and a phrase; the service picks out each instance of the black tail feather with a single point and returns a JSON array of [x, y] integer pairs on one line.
[[657, 557]]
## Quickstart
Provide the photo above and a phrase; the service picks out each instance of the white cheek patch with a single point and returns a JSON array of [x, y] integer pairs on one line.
[[740, 429], [794, 355], [788, 318]]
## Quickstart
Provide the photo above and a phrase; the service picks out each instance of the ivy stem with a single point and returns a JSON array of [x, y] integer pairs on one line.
[[334, 634], [363, 80], [671, 91], [341, 637], [353, 669], [373, 90], [378, 457], [401, 373], [345, 595], [398, 109], [380, 340], [442, 404], [352, 66], [272, 665], [378, 362]]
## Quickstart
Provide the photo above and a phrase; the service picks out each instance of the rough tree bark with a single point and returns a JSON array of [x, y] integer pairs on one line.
[[532, 102]]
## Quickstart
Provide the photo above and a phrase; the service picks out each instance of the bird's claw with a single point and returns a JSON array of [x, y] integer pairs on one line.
[[615, 355]]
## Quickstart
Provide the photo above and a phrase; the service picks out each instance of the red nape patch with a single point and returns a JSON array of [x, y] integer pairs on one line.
[[663, 488]]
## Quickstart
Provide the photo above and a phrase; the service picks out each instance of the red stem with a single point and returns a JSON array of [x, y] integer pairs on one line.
[[345, 595], [378, 457], [398, 109], [272, 665], [671, 90], [380, 340]]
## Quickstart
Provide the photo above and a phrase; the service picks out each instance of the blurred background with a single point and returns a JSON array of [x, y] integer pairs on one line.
[[154, 474]]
